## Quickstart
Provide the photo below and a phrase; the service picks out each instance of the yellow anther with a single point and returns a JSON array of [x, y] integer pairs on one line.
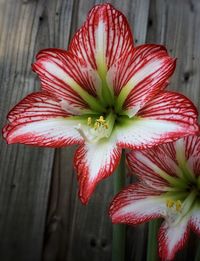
[[178, 205], [96, 125], [106, 125], [101, 120], [170, 203], [89, 121]]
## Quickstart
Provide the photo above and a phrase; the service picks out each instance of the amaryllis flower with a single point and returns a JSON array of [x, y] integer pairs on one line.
[[103, 94], [168, 187]]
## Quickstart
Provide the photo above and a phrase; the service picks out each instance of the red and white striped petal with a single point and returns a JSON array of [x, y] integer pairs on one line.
[[167, 117], [67, 77], [150, 165], [39, 120], [103, 39], [192, 153], [172, 239], [195, 219], [136, 204], [94, 162], [139, 75]]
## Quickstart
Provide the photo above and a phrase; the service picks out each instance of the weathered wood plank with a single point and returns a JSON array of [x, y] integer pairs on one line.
[[76, 232], [26, 27], [176, 25]]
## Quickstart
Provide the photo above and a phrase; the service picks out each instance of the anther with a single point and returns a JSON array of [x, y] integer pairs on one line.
[[175, 205], [170, 203], [101, 120], [89, 121], [178, 206], [96, 125]]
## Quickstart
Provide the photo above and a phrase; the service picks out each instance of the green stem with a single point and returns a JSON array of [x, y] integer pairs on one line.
[[152, 247], [118, 241]]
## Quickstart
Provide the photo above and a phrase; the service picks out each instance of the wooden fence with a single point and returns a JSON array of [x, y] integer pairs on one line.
[[41, 217]]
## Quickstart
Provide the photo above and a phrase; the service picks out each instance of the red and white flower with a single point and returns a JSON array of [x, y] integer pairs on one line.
[[104, 94], [168, 187]]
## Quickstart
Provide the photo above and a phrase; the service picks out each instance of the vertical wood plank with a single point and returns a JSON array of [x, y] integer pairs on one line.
[[76, 232], [176, 25]]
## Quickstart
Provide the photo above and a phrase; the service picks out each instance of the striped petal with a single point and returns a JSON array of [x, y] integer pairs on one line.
[[195, 218], [39, 120], [137, 204], [139, 75], [172, 239], [192, 153], [68, 78], [94, 162], [103, 39], [167, 117], [152, 164]]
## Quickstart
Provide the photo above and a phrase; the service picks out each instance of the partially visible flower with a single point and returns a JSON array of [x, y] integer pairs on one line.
[[103, 94], [168, 187]]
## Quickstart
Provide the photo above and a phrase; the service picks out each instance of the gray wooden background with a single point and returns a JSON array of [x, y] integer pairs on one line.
[[41, 217]]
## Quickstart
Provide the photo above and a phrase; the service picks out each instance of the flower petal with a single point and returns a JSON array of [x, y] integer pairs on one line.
[[149, 165], [68, 78], [136, 204], [39, 120], [192, 152], [167, 117], [94, 162], [140, 75], [103, 38], [195, 219], [172, 239]]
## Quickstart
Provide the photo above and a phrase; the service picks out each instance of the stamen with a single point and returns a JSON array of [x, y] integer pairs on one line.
[[174, 205], [96, 129], [101, 122], [96, 125], [177, 210], [89, 121], [178, 206], [170, 203], [173, 211]]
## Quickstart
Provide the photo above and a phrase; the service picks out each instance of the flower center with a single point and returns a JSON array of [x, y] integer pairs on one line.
[[97, 129], [176, 209], [100, 123]]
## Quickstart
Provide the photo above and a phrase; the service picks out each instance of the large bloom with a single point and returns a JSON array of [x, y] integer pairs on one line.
[[168, 187], [103, 94]]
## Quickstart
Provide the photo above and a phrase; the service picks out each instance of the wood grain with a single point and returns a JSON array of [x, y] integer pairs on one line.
[[33, 180], [26, 27]]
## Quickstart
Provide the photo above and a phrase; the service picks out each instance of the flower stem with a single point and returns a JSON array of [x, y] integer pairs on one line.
[[152, 248], [118, 241]]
